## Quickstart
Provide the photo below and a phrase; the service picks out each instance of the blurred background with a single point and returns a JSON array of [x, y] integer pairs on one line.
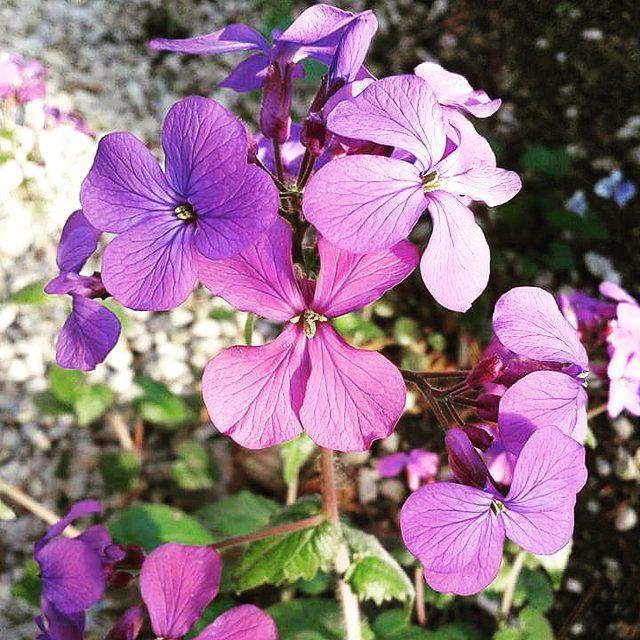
[[568, 74]]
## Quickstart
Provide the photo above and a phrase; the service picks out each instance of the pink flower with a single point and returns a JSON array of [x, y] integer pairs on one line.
[[419, 465]]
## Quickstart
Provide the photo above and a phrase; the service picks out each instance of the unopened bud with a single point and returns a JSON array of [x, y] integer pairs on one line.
[[275, 112], [480, 438], [464, 460], [487, 370], [487, 408]]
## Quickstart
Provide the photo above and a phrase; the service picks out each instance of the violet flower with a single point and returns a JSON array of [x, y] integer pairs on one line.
[[366, 203], [22, 80], [457, 531], [419, 465], [91, 330], [208, 202], [309, 377]]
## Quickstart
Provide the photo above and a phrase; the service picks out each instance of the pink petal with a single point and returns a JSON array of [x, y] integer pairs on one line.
[[549, 472], [151, 266], [400, 111], [348, 281], [527, 321], [486, 183], [253, 394], [363, 203], [540, 399], [233, 37], [616, 292], [455, 264], [353, 396], [249, 75], [260, 278], [176, 583], [245, 622], [474, 148], [392, 465]]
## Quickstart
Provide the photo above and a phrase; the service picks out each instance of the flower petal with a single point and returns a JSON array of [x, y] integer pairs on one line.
[[527, 321], [60, 626], [348, 281], [455, 264], [233, 37], [548, 473], [79, 509], [151, 266], [87, 336], [249, 75], [245, 622], [78, 241], [352, 48], [364, 203], [129, 625], [353, 396], [125, 185], [400, 111], [392, 465], [489, 184], [176, 583], [260, 278], [253, 394]]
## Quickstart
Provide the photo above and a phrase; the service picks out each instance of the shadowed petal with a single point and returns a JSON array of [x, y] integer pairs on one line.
[[87, 336], [348, 281], [78, 241], [455, 264], [245, 622], [352, 48], [249, 75], [233, 37], [253, 393], [129, 625], [125, 185], [60, 626], [353, 396], [151, 266], [527, 320], [364, 203]]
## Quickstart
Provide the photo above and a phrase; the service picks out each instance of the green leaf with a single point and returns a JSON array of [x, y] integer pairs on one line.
[[373, 573], [534, 625], [6, 512], [221, 313], [358, 330], [294, 454], [119, 470], [289, 557], [317, 585], [118, 311], [507, 633], [159, 406], [556, 564], [31, 294], [248, 328], [551, 161], [537, 588], [151, 525], [92, 401], [393, 625], [238, 514], [49, 405], [193, 470], [457, 631], [406, 331], [27, 586], [66, 384]]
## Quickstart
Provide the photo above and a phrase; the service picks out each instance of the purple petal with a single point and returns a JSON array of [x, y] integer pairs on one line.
[[452, 531], [176, 583], [455, 264], [98, 538], [353, 396], [245, 622], [253, 393], [249, 75], [151, 266], [78, 241], [540, 399], [364, 204], [464, 460], [348, 281], [79, 509], [233, 37], [392, 465], [125, 185], [260, 278], [60, 626], [549, 472], [129, 625], [616, 292], [87, 336], [72, 576], [228, 226], [424, 463], [486, 183], [474, 148], [401, 111], [527, 321], [352, 48]]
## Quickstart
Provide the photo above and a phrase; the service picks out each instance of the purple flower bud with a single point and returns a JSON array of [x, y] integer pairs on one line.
[[464, 460], [487, 408], [480, 438], [487, 370], [275, 113]]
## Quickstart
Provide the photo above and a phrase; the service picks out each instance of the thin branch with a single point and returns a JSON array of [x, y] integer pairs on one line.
[[427, 390], [117, 423], [418, 582], [512, 582], [465, 402], [329, 494], [596, 411], [279, 183], [435, 375]]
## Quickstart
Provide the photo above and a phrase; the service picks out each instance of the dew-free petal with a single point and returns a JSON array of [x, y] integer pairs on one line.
[[260, 278], [464, 460], [151, 266], [233, 37], [489, 184], [253, 394], [129, 625], [364, 203], [352, 48], [527, 321], [245, 622], [392, 465], [353, 396], [349, 281], [79, 509], [176, 583], [249, 75], [78, 241], [60, 626], [455, 264]]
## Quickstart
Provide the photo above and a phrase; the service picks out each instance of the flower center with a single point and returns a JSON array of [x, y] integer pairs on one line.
[[497, 507], [431, 181], [185, 212], [309, 319]]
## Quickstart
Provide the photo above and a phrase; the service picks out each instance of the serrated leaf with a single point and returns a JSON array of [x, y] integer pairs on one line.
[[119, 470], [294, 454], [238, 514], [31, 294], [534, 625], [27, 586], [159, 406], [537, 587], [49, 405], [92, 401], [66, 385], [289, 557], [193, 470], [151, 525]]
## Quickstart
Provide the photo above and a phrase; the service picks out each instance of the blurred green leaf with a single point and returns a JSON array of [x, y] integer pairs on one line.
[[118, 311], [151, 525], [193, 470], [537, 588], [31, 294], [92, 401], [6, 512], [534, 625], [436, 599], [294, 454], [119, 470], [556, 564], [551, 161], [313, 71], [358, 330], [27, 586], [320, 583], [159, 406], [437, 341], [66, 384], [277, 15], [393, 625], [220, 313], [49, 405], [559, 257], [457, 631], [507, 633], [406, 331]]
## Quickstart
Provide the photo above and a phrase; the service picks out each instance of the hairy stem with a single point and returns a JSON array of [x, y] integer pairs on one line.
[[512, 581]]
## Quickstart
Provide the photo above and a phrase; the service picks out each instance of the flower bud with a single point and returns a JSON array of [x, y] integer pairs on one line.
[[488, 407], [487, 370], [275, 113], [480, 438], [464, 460]]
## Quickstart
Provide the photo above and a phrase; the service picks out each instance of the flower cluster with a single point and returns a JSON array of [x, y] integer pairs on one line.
[[20, 80]]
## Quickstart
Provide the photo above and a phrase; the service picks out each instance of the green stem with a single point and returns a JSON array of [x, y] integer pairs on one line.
[[248, 328]]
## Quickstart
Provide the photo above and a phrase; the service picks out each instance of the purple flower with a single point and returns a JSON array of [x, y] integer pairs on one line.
[[208, 202], [91, 330], [419, 465], [22, 80], [457, 531], [55, 625], [366, 203], [309, 377]]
